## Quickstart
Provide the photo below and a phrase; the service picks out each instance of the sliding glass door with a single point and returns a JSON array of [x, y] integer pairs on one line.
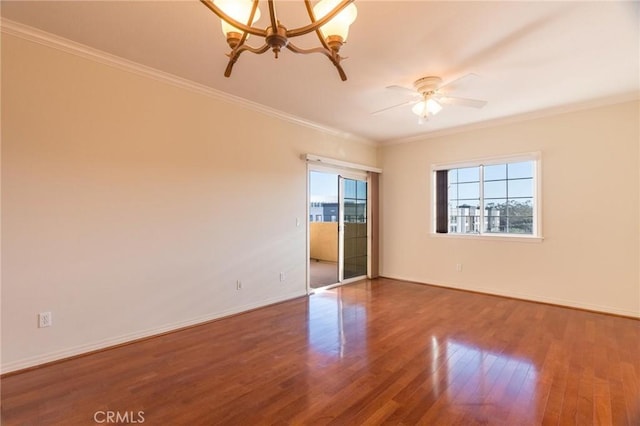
[[353, 228], [338, 227]]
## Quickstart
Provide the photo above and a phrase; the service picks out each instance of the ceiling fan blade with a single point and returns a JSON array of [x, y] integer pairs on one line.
[[402, 89], [394, 106], [450, 100], [451, 85]]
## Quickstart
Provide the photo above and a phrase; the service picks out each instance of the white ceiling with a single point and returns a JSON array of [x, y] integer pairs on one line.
[[529, 56]]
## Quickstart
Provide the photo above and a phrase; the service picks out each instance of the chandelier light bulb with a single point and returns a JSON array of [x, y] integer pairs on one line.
[[238, 10], [339, 25]]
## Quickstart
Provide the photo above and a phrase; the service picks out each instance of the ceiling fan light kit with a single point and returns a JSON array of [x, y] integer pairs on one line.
[[237, 19], [426, 108]]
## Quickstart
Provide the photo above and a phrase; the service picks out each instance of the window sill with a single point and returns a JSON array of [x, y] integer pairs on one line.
[[489, 237]]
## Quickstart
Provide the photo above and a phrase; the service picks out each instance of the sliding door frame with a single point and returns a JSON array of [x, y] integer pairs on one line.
[[349, 174]]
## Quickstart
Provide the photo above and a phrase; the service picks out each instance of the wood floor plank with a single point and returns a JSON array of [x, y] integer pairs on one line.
[[374, 352]]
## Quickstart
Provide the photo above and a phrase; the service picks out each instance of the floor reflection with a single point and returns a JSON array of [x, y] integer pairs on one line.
[[336, 324], [474, 381], [484, 381]]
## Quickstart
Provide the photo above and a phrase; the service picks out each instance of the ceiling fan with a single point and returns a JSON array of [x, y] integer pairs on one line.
[[429, 95]]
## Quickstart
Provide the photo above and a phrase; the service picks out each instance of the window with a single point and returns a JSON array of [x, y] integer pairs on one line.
[[491, 197]]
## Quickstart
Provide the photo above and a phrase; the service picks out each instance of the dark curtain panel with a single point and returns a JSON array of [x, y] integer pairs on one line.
[[442, 215], [375, 223]]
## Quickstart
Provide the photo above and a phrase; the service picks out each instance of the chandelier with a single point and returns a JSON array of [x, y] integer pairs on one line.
[[238, 16]]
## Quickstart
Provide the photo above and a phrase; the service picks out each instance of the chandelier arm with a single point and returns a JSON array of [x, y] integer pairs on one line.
[[245, 28], [227, 71], [317, 24], [245, 34], [257, 50], [297, 49], [333, 57], [272, 15], [235, 54], [341, 73], [312, 17]]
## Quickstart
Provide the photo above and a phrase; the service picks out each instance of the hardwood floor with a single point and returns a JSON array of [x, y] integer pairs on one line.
[[380, 351]]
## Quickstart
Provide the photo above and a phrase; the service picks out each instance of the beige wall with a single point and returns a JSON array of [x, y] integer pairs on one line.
[[132, 206], [589, 256], [323, 241]]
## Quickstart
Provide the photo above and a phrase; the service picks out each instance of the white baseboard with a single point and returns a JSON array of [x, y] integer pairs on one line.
[[523, 296], [106, 343]]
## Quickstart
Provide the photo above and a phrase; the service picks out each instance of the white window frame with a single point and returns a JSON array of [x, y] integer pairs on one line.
[[536, 236]]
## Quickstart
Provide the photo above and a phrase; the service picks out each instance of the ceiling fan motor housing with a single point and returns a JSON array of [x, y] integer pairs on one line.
[[427, 85]]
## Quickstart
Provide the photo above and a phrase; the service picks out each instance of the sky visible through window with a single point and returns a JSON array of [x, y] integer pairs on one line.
[[323, 187], [495, 181]]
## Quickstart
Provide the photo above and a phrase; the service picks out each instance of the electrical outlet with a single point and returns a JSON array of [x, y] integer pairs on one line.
[[459, 267], [282, 276], [44, 319], [238, 285]]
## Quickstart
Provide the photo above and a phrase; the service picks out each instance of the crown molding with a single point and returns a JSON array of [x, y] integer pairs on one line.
[[533, 115], [44, 38]]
